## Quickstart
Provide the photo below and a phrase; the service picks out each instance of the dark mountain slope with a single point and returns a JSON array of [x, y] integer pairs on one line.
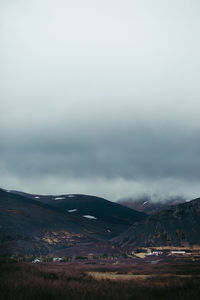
[[34, 224], [115, 217], [29, 226], [178, 225]]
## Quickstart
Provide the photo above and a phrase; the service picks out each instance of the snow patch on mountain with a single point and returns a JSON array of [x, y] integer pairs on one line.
[[59, 198], [89, 217], [145, 202]]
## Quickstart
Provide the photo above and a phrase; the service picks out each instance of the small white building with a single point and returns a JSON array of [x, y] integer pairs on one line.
[[36, 261], [57, 259], [177, 252]]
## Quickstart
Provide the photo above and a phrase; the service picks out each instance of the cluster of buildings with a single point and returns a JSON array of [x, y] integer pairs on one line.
[[140, 254], [38, 260]]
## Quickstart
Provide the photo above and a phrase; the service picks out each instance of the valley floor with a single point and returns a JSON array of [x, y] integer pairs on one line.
[[141, 279]]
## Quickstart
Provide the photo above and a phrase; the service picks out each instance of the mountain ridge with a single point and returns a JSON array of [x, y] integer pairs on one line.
[[177, 226]]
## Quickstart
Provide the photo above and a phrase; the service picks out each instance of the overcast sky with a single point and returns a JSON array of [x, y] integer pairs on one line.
[[100, 97]]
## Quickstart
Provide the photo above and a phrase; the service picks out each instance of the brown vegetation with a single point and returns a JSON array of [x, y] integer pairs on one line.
[[24, 281]]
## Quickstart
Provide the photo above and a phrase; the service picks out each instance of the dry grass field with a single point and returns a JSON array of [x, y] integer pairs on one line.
[[100, 279]]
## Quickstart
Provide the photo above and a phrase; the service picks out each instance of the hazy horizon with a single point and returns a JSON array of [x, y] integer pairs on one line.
[[100, 97]]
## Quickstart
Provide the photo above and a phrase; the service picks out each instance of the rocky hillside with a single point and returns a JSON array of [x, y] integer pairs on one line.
[[178, 225]]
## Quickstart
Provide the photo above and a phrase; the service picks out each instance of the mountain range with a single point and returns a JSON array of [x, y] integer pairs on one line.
[[77, 224], [43, 224], [147, 205]]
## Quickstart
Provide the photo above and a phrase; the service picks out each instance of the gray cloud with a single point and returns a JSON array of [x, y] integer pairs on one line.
[[100, 97]]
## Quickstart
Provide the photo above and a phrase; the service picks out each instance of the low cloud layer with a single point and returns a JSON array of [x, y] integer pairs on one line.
[[100, 98]]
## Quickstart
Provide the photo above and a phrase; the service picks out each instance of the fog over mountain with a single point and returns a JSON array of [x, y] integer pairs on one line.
[[100, 97]]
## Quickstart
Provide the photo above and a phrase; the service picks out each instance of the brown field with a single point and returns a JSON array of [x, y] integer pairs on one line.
[[169, 278], [128, 276]]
